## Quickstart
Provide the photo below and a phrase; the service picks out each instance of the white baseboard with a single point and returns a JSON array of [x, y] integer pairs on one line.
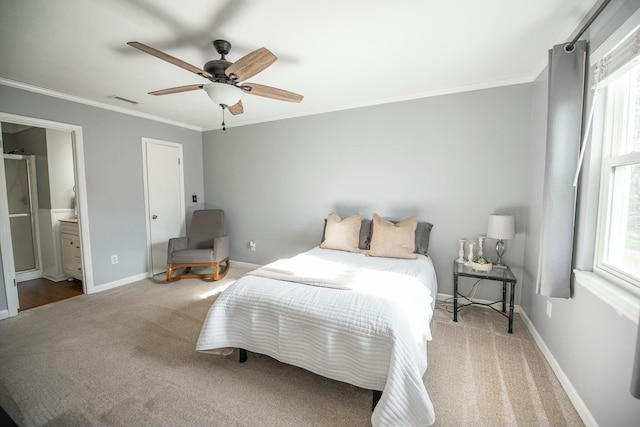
[[575, 398], [55, 278], [244, 265], [127, 280], [29, 275], [4, 314], [118, 283]]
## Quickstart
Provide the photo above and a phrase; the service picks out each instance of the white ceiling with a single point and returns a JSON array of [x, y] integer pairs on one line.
[[339, 54]]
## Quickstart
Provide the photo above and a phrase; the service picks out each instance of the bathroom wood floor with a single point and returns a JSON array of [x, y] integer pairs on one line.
[[37, 292]]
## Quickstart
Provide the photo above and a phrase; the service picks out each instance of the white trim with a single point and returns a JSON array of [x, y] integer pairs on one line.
[[120, 282], [614, 39], [53, 278], [460, 89], [410, 97], [625, 300], [4, 314], [83, 210], [244, 265], [568, 387], [66, 97], [8, 265], [28, 275], [574, 397], [145, 143]]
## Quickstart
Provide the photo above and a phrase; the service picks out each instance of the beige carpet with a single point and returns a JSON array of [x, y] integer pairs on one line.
[[125, 357]]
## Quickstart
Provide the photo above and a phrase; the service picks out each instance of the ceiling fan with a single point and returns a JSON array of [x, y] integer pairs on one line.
[[227, 78]]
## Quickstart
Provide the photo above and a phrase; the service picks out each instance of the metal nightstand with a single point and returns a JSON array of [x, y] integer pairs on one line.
[[503, 275]]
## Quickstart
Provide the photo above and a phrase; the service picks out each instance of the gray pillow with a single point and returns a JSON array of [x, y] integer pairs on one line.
[[365, 234], [423, 232]]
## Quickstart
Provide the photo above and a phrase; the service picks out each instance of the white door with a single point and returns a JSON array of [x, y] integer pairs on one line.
[[164, 192]]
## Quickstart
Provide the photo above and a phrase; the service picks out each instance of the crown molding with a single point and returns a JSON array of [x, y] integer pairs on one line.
[[410, 97], [104, 106]]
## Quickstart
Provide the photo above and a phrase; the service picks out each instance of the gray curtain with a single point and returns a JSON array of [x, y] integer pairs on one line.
[[635, 377], [567, 70]]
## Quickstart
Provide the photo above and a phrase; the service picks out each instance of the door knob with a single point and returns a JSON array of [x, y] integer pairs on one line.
[[154, 216]]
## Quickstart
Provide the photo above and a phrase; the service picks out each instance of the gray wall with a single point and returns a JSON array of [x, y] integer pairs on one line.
[[593, 345], [113, 166], [451, 160]]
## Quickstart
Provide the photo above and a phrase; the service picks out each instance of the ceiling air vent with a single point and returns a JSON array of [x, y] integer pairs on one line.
[[119, 98]]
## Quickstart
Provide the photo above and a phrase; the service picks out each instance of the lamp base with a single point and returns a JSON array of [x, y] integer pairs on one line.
[[500, 252]]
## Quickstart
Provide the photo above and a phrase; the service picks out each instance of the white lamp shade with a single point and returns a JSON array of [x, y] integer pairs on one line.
[[223, 94], [501, 227]]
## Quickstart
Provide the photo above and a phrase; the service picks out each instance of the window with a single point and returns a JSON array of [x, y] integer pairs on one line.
[[618, 249]]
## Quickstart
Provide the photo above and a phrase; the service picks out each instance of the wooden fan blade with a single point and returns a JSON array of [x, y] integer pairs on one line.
[[176, 90], [171, 59], [236, 108], [271, 92], [250, 64]]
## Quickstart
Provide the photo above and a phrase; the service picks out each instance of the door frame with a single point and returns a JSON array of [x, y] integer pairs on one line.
[[147, 209], [6, 258]]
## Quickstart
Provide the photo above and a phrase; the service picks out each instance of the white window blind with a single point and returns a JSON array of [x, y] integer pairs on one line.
[[624, 56], [620, 59]]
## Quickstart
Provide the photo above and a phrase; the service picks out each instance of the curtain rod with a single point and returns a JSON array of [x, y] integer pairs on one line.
[[572, 43]]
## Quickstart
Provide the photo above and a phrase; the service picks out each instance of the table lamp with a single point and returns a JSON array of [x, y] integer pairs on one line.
[[501, 227]]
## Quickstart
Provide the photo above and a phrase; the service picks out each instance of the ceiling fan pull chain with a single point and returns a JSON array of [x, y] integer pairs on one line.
[[223, 125]]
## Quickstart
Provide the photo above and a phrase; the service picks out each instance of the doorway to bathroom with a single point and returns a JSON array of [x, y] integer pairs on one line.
[[39, 174]]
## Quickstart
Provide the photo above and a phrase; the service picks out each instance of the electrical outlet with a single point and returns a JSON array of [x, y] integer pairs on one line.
[[252, 245], [194, 198], [549, 306], [114, 259]]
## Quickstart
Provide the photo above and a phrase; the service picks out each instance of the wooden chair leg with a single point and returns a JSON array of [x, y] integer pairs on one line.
[[217, 274], [220, 275], [216, 271]]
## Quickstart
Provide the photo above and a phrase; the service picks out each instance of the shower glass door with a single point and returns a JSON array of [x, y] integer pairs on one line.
[[21, 218]]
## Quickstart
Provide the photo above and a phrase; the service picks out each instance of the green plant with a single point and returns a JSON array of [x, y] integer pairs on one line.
[[481, 259]]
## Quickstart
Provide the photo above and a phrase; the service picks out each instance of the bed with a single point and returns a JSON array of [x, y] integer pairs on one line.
[[350, 315]]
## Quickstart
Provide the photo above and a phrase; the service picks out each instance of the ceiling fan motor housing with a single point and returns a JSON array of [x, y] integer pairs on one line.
[[216, 67]]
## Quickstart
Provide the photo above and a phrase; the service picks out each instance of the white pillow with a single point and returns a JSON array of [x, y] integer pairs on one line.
[[394, 240], [342, 234]]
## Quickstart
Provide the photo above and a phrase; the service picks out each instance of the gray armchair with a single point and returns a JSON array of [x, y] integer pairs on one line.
[[206, 245]]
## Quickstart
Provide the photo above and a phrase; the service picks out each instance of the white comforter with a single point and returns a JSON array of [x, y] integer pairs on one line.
[[346, 316]]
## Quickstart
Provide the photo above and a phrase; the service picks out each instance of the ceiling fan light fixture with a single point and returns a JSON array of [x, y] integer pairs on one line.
[[223, 94]]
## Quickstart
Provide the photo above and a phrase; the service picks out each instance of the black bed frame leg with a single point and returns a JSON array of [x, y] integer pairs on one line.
[[243, 355], [376, 397]]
